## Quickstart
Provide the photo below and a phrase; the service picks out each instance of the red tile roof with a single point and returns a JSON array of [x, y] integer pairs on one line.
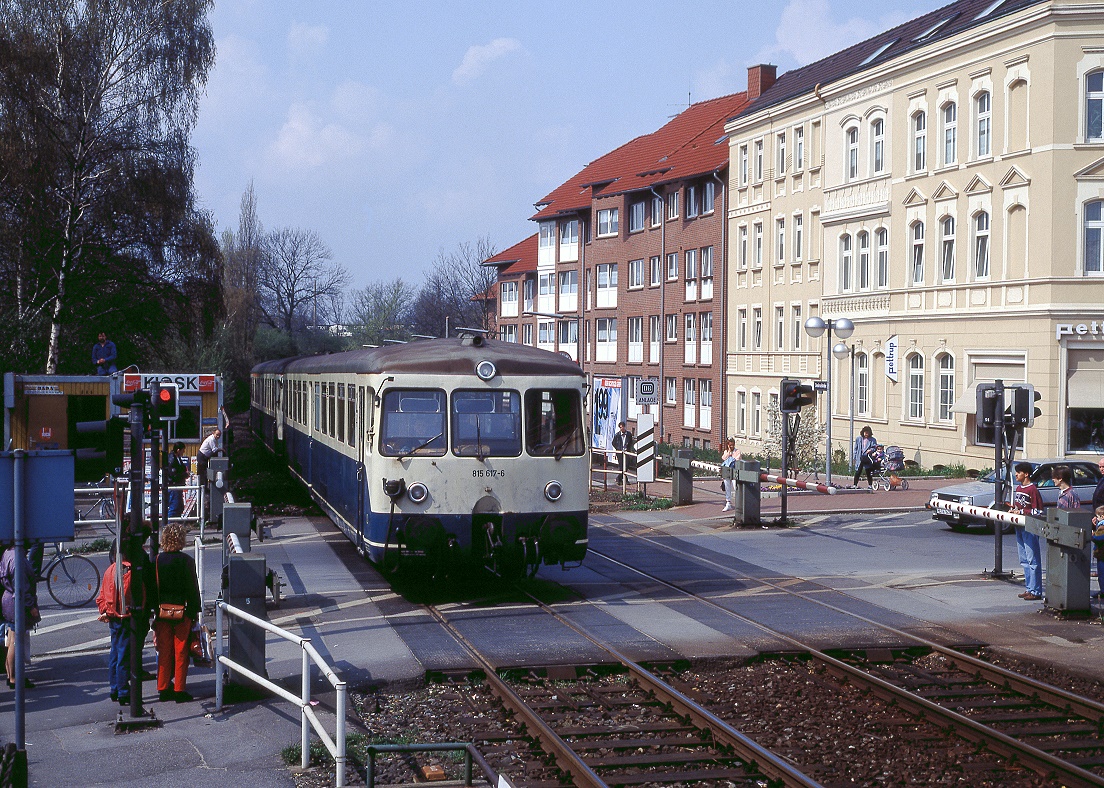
[[518, 259], [692, 144]]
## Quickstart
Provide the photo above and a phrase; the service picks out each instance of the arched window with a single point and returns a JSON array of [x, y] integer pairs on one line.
[[1094, 229], [946, 387], [864, 260], [950, 134], [845, 262], [852, 154], [983, 105], [918, 253], [919, 142], [877, 145], [1094, 106], [947, 228], [862, 384], [981, 245], [882, 239], [916, 387]]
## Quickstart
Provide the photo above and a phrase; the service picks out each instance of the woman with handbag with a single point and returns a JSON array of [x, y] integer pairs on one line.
[[178, 606]]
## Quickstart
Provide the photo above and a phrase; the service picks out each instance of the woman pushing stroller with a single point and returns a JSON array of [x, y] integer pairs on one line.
[[865, 455]]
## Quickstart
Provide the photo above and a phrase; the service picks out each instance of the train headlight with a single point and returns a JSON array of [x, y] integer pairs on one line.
[[486, 370], [553, 491], [417, 492]]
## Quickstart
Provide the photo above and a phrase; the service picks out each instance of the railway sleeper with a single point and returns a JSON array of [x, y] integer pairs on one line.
[[632, 744], [687, 778], [663, 759]]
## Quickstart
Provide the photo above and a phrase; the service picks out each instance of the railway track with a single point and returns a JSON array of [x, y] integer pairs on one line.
[[1032, 724], [804, 718]]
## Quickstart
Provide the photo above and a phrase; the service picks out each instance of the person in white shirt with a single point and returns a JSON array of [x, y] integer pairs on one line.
[[208, 449]]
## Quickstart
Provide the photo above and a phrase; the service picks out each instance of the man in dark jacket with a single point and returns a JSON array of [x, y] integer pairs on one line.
[[623, 443], [1098, 493], [103, 356]]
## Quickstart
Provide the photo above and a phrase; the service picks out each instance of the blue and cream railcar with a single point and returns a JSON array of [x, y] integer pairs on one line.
[[438, 451]]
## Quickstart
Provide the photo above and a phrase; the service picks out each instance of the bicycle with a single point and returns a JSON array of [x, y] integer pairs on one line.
[[103, 510], [72, 580]]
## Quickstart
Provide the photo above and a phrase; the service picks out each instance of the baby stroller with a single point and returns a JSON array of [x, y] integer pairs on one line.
[[887, 463]]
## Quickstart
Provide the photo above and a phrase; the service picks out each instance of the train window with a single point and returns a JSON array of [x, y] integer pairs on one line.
[[341, 412], [317, 405], [554, 423], [486, 423], [352, 413], [333, 410], [413, 422]]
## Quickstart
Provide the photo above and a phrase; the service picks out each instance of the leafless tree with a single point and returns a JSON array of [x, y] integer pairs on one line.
[[455, 292], [298, 283]]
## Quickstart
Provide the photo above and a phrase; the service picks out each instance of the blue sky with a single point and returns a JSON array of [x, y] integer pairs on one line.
[[399, 130]]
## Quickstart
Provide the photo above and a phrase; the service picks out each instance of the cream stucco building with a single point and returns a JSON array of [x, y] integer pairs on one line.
[[941, 185]]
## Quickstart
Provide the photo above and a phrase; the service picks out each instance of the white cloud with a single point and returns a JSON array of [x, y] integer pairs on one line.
[[306, 141], [478, 58], [306, 40], [807, 31]]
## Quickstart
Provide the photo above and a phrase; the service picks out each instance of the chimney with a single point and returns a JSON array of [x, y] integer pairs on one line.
[[760, 78]]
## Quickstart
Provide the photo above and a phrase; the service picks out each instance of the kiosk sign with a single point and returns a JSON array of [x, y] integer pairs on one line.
[[186, 383]]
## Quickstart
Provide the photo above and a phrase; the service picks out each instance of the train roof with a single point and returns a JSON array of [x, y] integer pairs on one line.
[[451, 356]]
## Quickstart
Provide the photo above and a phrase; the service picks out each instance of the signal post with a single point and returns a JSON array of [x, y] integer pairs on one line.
[[795, 396]]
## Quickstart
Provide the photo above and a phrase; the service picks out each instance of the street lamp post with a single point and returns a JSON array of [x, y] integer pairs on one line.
[[814, 327]]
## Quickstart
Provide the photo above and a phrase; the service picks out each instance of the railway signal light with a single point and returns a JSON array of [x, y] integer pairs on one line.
[[165, 398], [1024, 411], [795, 396]]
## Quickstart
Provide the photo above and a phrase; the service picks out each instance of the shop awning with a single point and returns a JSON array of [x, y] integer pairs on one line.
[[986, 373], [1085, 381]]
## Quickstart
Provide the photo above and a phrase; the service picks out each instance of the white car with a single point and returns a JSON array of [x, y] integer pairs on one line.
[[1085, 476]]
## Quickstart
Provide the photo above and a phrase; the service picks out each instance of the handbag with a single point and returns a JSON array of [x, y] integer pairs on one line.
[[167, 611]]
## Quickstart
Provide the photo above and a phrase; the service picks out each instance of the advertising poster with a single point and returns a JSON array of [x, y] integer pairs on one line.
[[606, 408]]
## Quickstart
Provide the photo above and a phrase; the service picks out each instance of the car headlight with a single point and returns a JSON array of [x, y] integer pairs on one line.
[[553, 491], [417, 492], [486, 370]]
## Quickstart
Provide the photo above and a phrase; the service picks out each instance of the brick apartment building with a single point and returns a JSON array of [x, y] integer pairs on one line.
[[625, 272]]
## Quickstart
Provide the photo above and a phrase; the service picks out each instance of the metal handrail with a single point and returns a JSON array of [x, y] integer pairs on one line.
[[308, 719]]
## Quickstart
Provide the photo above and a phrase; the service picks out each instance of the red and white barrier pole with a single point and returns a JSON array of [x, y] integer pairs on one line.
[[820, 488], [995, 515]]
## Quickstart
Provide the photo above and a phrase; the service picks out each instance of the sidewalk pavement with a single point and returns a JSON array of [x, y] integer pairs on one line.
[[708, 497]]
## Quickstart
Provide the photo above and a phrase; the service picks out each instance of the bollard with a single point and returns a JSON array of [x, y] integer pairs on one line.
[[1068, 536], [746, 500], [682, 479]]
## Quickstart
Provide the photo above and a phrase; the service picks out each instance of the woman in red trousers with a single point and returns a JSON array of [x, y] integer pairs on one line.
[[177, 584]]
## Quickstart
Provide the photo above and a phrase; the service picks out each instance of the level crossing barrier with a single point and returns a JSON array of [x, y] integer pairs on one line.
[[825, 489], [1068, 537], [308, 719]]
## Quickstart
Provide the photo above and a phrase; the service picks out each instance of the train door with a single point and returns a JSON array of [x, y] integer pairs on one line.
[[357, 429], [278, 411]]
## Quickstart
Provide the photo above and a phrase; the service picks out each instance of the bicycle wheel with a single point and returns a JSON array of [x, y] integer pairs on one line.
[[73, 580]]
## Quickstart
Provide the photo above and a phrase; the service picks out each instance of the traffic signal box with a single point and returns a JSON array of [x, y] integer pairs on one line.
[[107, 440], [1019, 405], [166, 404], [795, 396]]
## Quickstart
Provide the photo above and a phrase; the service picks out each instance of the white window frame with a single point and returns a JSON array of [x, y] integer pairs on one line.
[[655, 326], [799, 148], [706, 257], [657, 211], [655, 271], [742, 329], [605, 333], [757, 248], [851, 151], [671, 334], [757, 328], [946, 383], [744, 165], [672, 266], [846, 259], [1094, 106], [796, 326], [919, 141], [947, 247], [758, 161], [637, 213], [605, 293], [607, 223], [1093, 234], [509, 306], [949, 116], [982, 226], [690, 339], [983, 124], [914, 365], [877, 146], [916, 257], [780, 242], [798, 239], [742, 258], [780, 145], [709, 196], [692, 201], [672, 205], [881, 245], [670, 391], [862, 251], [636, 274], [862, 384], [636, 339]]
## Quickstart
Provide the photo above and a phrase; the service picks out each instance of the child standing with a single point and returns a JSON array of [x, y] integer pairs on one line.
[[1026, 500]]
